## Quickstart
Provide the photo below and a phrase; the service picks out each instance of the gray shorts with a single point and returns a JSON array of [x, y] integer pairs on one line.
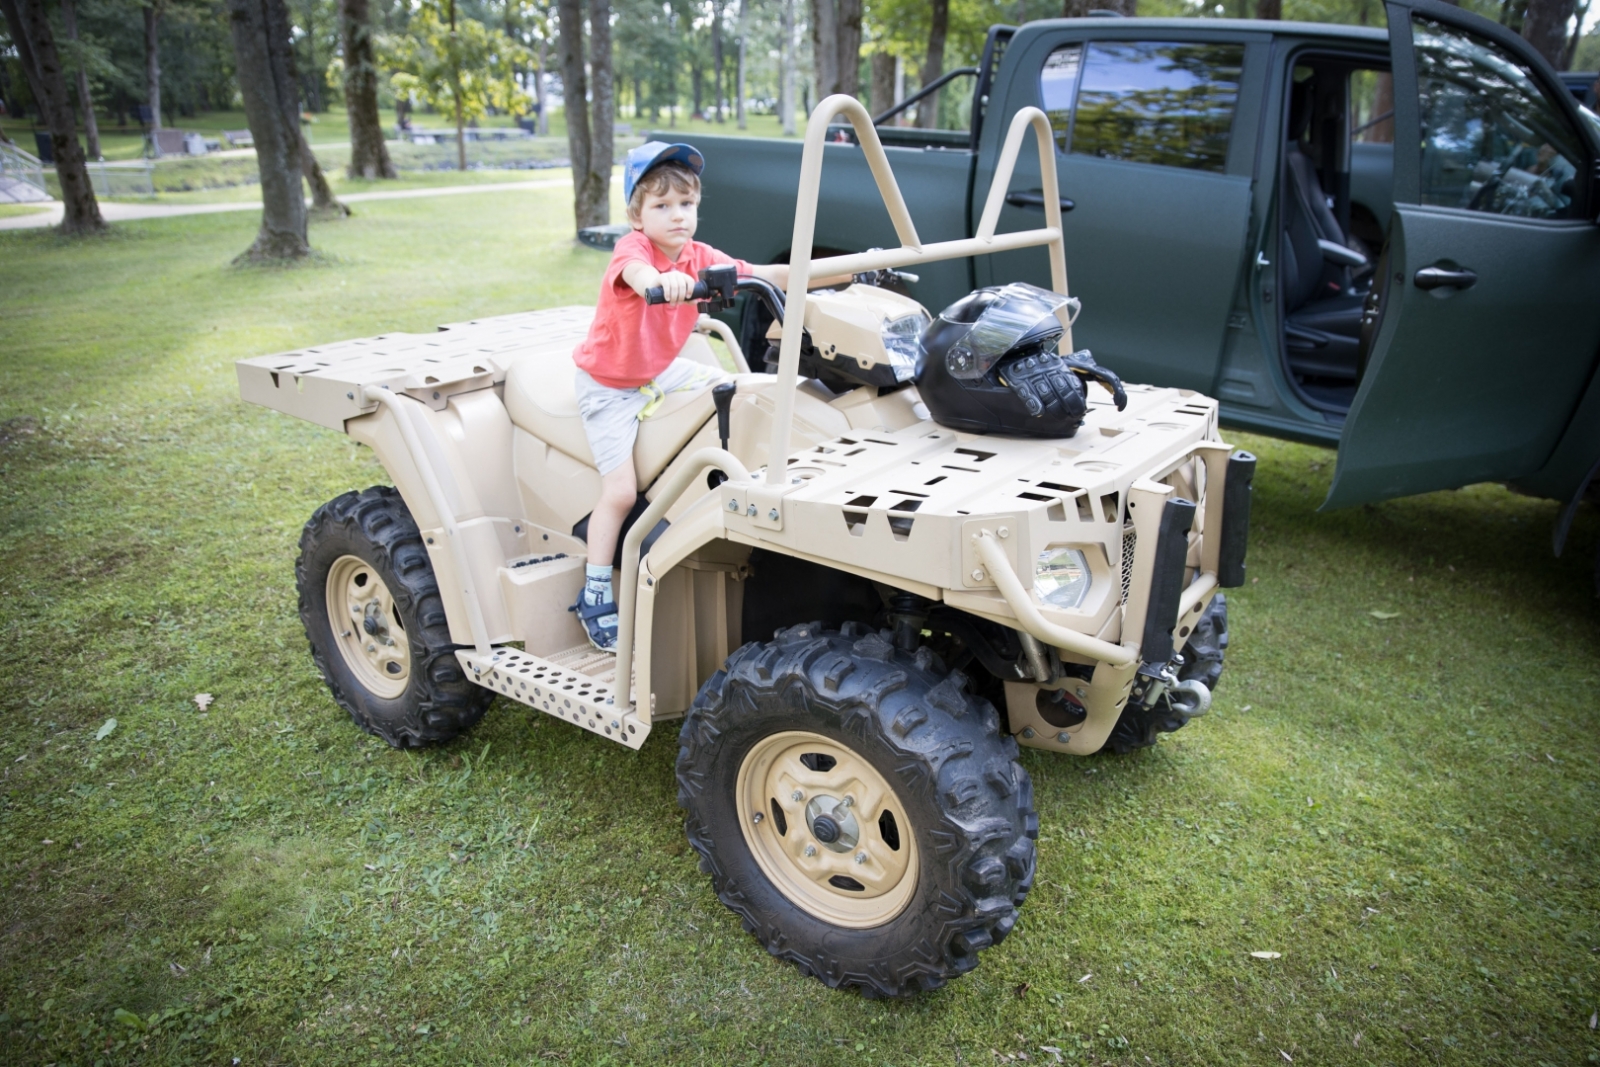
[[611, 417]]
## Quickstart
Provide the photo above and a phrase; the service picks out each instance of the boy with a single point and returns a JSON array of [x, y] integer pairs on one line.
[[629, 360]]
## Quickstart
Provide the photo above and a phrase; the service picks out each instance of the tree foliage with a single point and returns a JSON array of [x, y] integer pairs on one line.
[[471, 66]]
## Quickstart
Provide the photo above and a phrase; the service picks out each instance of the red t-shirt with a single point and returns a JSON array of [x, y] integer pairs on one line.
[[629, 341]]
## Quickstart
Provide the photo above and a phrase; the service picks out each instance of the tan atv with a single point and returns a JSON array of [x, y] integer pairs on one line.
[[856, 611]]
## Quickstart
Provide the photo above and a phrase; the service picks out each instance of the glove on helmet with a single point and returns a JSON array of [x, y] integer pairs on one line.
[[991, 366]]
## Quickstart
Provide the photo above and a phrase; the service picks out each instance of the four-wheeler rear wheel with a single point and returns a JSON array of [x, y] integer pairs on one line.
[[371, 609], [857, 808]]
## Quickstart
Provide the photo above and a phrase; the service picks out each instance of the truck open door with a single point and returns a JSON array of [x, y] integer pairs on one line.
[[1483, 328]]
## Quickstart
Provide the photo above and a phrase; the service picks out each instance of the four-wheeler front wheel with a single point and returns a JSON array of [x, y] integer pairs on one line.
[[857, 808], [371, 608]]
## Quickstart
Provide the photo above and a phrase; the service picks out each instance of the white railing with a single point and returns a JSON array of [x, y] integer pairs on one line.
[[120, 180], [18, 168]]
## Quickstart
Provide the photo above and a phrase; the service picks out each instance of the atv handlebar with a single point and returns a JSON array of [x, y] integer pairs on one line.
[[653, 295]]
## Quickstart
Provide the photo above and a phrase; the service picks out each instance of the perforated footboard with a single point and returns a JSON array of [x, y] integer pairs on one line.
[[576, 685]]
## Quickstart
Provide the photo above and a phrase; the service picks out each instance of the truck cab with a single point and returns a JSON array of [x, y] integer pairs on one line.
[[1348, 236]]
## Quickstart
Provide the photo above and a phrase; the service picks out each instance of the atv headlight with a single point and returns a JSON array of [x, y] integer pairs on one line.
[[1061, 577], [902, 339]]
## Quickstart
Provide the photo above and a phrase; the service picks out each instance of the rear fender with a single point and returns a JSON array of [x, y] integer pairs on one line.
[[468, 444]]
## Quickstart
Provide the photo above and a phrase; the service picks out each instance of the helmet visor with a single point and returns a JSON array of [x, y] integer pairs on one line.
[[1013, 314]]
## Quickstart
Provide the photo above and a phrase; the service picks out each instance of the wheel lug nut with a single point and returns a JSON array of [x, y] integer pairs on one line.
[[861, 857], [811, 850], [797, 796]]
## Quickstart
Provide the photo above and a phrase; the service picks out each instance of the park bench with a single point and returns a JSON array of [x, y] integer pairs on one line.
[[239, 138]]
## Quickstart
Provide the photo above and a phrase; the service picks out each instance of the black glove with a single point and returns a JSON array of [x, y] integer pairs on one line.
[[1082, 362], [1044, 385]]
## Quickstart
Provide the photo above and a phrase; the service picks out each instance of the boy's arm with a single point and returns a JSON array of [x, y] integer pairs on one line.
[[778, 274], [676, 286]]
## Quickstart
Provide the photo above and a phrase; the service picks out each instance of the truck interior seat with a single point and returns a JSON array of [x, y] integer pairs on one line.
[[1322, 327]]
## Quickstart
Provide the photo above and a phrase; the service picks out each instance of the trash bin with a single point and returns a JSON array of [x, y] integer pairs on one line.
[[47, 151]]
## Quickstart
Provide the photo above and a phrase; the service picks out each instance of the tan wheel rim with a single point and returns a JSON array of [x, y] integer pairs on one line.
[[827, 829], [366, 627]]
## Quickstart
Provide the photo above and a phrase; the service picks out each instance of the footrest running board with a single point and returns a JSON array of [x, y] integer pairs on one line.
[[575, 686]]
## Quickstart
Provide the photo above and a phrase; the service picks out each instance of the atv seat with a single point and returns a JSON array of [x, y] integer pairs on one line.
[[540, 399]]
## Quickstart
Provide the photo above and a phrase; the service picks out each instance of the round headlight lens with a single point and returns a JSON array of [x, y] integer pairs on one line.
[[1061, 577]]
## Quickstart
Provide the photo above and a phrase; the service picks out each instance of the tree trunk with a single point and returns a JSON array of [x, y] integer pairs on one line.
[[313, 90], [540, 93], [1269, 9], [369, 155], [716, 58], [590, 145], [848, 17], [26, 59], [29, 25], [836, 45], [322, 199], [602, 116], [1545, 27], [323, 202], [786, 50], [262, 59], [824, 48], [933, 66], [1571, 50], [91, 128], [152, 63], [882, 90], [738, 103]]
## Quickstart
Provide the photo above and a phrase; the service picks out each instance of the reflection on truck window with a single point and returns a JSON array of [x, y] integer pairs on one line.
[[1491, 140], [1371, 107], [1162, 102]]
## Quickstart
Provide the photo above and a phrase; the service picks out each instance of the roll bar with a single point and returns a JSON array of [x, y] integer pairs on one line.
[[911, 250]]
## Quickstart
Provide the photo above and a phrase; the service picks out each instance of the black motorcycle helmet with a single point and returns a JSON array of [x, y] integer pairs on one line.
[[991, 366]]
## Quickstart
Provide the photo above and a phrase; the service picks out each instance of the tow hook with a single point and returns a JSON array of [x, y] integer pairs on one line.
[[1190, 699]]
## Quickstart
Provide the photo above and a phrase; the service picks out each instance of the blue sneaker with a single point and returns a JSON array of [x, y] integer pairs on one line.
[[599, 616]]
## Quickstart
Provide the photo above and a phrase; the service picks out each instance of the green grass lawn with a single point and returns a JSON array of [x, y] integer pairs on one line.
[[1403, 806]]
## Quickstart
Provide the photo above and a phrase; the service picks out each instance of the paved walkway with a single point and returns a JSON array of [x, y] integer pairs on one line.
[[125, 212]]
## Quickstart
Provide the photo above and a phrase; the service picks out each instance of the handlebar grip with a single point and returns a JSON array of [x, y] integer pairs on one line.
[[653, 294]]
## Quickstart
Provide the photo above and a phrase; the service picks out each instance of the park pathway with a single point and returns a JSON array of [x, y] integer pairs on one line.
[[124, 212]]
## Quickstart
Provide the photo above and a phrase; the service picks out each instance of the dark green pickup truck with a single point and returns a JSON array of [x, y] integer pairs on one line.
[[1380, 239]]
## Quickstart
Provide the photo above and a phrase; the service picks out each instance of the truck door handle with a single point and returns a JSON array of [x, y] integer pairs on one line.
[[1440, 277], [1035, 200]]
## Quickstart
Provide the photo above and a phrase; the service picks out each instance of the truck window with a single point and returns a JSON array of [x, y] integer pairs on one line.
[[1491, 140], [1164, 102]]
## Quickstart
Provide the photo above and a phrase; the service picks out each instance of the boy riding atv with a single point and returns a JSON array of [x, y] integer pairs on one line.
[[860, 581]]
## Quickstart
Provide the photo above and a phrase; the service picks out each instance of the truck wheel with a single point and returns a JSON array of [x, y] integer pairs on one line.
[[857, 808], [1202, 661], [372, 611]]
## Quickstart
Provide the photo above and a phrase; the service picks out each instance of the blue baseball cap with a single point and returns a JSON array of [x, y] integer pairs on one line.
[[653, 153]]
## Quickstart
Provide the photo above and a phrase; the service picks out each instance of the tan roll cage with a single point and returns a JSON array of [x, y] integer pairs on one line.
[[801, 269], [911, 250]]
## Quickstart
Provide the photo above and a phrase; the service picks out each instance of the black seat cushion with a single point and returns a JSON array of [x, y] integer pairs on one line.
[[1322, 327]]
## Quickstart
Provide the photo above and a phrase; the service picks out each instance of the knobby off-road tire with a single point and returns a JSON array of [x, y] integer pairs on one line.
[[1202, 661], [963, 825], [363, 551]]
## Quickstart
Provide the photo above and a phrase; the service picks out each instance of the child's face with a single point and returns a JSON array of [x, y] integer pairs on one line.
[[669, 219]]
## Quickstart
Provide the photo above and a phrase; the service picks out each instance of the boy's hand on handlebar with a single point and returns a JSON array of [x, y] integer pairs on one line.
[[676, 287]]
